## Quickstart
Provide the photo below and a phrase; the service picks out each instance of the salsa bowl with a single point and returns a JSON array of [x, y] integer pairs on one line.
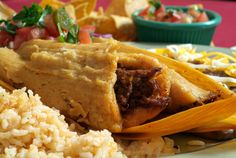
[[166, 32]]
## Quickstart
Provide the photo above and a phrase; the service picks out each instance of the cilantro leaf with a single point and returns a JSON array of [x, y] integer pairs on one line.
[[63, 19], [62, 36], [155, 3], [46, 11], [8, 27], [28, 16], [72, 36], [151, 11], [64, 22]]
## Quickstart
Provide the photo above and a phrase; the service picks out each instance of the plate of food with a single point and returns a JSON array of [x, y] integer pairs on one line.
[[67, 91], [196, 56]]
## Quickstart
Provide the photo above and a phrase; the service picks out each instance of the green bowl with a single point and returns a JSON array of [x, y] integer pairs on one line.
[[165, 32]]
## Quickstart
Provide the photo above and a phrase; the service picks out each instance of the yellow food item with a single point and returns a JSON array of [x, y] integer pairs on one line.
[[79, 80], [215, 61], [83, 7], [189, 119], [125, 7], [53, 3], [5, 11], [225, 124], [192, 75], [120, 27]]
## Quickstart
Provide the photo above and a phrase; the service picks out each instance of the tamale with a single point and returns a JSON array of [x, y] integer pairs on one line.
[[110, 85], [83, 82]]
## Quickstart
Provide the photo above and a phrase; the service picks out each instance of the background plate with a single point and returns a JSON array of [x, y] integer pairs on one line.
[[223, 150], [161, 45]]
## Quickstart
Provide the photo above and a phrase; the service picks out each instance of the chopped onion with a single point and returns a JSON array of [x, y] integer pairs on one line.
[[102, 35]]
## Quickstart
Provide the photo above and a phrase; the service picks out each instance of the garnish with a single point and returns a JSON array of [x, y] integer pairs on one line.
[[155, 3], [156, 11], [46, 11], [28, 16], [8, 27], [64, 22], [72, 36], [63, 19], [62, 35], [36, 22]]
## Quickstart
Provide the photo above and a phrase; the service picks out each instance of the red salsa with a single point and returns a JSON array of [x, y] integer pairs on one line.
[[156, 11]]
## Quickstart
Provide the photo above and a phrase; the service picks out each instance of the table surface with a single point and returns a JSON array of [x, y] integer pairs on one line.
[[225, 35]]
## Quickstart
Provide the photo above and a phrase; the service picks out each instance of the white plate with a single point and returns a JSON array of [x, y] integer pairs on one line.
[[224, 150]]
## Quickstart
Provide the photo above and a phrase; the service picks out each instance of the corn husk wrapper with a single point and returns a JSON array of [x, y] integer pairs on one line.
[[6, 86], [228, 123], [188, 119], [192, 118], [194, 76]]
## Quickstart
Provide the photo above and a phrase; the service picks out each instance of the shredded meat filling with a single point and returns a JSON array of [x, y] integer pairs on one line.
[[137, 88]]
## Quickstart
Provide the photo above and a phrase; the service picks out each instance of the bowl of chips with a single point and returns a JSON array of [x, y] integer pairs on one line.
[[175, 27]]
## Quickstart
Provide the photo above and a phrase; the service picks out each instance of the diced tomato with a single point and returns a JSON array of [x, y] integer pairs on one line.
[[144, 12], [51, 26], [161, 16], [160, 10], [89, 28], [21, 36], [176, 18], [28, 33], [5, 38], [167, 19], [84, 37], [193, 12], [202, 17]]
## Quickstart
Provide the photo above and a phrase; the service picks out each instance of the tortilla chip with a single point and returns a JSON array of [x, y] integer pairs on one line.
[[104, 24], [125, 7], [125, 28], [5, 11], [53, 3], [122, 28], [83, 7]]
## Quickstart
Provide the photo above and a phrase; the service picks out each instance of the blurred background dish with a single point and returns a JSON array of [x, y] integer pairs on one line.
[[176, 32]]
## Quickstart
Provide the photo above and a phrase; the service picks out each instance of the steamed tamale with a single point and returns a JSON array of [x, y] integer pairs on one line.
[[85, 82], [107, 84]]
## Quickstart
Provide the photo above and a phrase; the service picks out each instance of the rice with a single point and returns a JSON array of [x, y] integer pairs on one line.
[[196, 143], [30, 129], [149, 148]]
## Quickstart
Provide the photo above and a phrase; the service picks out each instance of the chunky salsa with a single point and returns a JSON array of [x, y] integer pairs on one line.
[[36, 22], [156, 11]]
